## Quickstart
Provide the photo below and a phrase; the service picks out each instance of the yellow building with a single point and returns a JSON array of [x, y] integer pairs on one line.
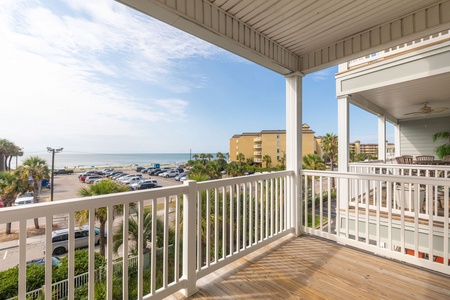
[[269, 142], [370, 149]]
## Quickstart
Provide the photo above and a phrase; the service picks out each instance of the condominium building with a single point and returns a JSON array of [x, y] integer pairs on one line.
[[269, 142], [370, 149]]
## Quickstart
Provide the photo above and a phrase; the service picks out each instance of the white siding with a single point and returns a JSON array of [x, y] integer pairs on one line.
[[416, 137]]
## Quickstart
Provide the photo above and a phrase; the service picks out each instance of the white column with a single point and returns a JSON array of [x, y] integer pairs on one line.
[[343, 133], [382, 138], [398, 149], [294, 142], [343, 151]]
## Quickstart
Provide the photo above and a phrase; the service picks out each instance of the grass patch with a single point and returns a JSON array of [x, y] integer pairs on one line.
[[316, 220]]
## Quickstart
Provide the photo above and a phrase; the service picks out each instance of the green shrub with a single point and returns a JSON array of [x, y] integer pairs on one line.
[[81, 264], [10, 280]]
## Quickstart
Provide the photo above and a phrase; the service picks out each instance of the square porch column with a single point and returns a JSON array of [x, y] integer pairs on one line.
[[294, 143], [343, 148], [382, 138]]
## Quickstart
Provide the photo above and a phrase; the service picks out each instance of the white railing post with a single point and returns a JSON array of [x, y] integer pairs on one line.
[[189, 249]]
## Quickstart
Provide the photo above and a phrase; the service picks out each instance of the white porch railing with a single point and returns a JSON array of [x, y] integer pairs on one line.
[[215, 222], [397, 216], [381, 55]]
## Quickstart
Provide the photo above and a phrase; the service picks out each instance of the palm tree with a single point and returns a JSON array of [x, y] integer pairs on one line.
[[195, 156], [330, 147], [35, 168], [282, 159], [209, 156], [313, 162], [133, 231], [11, 185], [203, 157], [234, 169], [240, 157], [7, 151], [268, 160], [220, 155], [444, 149], [103, 187]]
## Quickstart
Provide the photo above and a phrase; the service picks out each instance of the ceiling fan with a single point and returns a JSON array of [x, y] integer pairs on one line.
[[426, 110]]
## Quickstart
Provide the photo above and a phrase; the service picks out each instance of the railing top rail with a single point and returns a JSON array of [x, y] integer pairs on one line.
[[377, 177], [12, 214], [380, 55], [242, 179], [401, 166]]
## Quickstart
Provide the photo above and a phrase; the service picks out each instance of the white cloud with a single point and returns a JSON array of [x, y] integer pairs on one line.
[[322, 74], [64, 72]]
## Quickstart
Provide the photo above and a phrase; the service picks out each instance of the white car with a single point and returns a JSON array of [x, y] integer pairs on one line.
[[169, 173], [132, 180], [126, 177], [92, 179], [25, 198], [135, 184]]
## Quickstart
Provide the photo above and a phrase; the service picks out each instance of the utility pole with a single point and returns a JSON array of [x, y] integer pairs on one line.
[[53, 151]]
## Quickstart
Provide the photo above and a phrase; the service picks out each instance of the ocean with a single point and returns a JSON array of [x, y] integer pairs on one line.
[[68, 160]]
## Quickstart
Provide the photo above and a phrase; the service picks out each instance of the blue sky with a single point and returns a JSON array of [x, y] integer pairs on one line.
[[99, 77]]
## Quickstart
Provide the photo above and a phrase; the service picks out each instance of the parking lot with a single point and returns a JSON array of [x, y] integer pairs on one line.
[[67, 186]]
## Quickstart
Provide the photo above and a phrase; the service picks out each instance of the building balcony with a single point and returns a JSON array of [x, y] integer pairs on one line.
[[257, 153], [376, 209], [257, 160], [257, 139], [257, 146]]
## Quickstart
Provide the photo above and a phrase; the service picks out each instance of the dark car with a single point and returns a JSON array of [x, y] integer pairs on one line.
[[139, 169], [146, 170], [147, 185], [63, 171], [152, 172], [111, 174]]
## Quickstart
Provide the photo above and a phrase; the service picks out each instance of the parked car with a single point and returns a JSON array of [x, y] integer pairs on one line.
[[92, 178], [135, 184], [146, 185], [83, 177], [179, 176], [25, 198], [60, 239], [169, 173], [117, 176], [63, 171], [147, 170], [139, 169], [131, 180], [88, 173], [41, 261], [154, 171], [114, 173], [128, 176]]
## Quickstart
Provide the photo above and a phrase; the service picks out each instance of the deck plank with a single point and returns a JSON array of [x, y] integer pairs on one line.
[[308, 267]]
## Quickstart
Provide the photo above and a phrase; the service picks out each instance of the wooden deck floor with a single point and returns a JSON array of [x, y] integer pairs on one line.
[[311, 268]]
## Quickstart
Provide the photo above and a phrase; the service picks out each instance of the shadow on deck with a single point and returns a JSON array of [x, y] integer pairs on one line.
[[308, 267]]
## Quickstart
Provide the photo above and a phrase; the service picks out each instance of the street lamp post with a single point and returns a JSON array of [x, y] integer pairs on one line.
[[53, 151]]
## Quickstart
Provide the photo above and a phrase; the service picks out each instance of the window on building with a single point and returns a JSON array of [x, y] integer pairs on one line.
[[278, 136], [278, 150], [278, 157], [278, 143]]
